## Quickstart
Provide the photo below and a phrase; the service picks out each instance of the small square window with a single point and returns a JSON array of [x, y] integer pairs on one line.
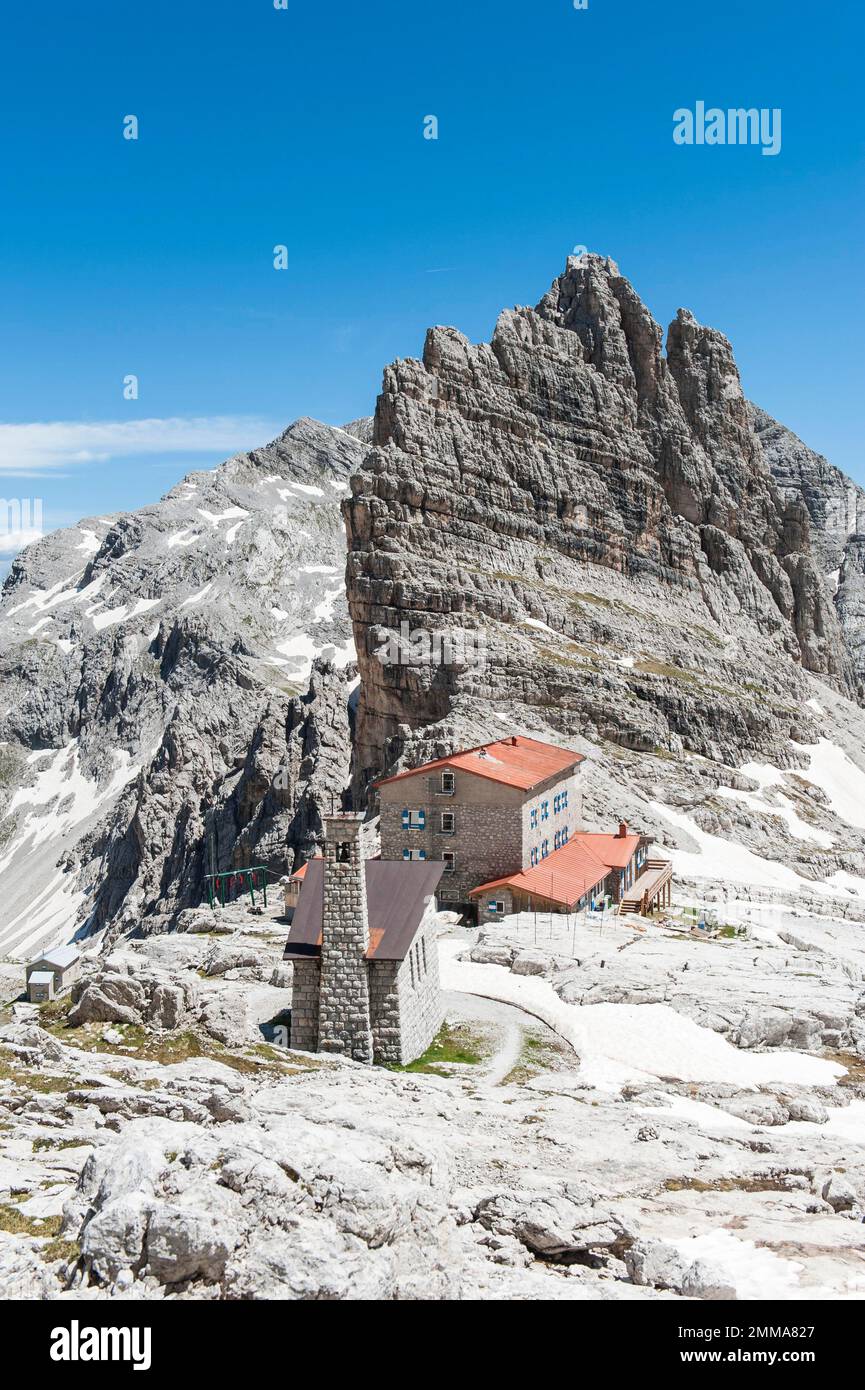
[[447, 782], [450, 861], [449, 822]]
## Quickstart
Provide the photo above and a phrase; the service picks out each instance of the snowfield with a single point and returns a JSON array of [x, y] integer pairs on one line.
[[619, 1043]]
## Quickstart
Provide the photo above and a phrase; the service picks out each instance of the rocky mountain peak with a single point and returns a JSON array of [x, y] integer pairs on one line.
[[573, 454]]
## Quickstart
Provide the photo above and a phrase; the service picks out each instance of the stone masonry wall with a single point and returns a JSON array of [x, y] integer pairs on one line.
[[384, 1010], [344, 1023], [499, 895], [487, 840], [420, 1003], [305, 988], [570, 818]]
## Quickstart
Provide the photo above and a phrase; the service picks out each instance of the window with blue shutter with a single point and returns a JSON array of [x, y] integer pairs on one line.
[[533, 818], [421, 854], [545, 810], [545, 849], [406, 854], [405, 818]]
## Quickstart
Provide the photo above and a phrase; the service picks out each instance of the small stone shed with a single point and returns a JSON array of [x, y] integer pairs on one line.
[[50, 974], [363, 947]]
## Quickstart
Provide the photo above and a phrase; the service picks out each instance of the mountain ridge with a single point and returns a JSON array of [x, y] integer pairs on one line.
[[644, 553]]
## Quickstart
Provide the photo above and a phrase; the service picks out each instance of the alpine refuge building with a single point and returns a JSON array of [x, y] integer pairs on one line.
[[484, 812], [505, 819], [363, 948]]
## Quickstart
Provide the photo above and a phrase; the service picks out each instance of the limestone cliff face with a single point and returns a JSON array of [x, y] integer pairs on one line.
[[836, 510], [605, 515]]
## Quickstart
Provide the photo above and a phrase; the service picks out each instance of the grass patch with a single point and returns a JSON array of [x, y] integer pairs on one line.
[[454, 1044], [582, 657], [578, 598], [40, 1145], [168, 1048], [32, 1080], [707, 635], [64, 1250], [537, 1055], [662, 668], [17, 1224], [54, 1013], [766, 1182]]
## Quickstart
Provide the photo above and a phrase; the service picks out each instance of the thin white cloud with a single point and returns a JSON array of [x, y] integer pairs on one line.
[[13, 541], [33, 449]]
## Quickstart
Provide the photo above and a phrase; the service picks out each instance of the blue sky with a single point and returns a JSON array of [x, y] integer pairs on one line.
[[304, 126]]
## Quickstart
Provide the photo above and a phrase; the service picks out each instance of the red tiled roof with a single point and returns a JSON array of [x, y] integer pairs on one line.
[[516, 761], [301, 872], [569, 873], [614, 850]]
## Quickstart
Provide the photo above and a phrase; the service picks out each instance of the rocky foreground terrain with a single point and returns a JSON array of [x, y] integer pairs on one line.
[[158, 1140]]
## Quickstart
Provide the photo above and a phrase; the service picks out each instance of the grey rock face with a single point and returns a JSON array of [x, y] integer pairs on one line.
[[604, 514], [836, 509], [159, 718]]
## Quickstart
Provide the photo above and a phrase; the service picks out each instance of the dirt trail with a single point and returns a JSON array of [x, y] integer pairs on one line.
[[511, 1025]]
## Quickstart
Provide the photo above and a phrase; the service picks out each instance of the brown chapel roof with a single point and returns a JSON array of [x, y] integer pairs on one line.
[[397, 894]]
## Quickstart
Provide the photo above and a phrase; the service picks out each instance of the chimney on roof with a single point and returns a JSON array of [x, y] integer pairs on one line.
[[513, 740], [344, 1007], [623, 829]]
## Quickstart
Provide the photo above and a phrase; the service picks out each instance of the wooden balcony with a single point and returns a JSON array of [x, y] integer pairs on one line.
[[652, 888]]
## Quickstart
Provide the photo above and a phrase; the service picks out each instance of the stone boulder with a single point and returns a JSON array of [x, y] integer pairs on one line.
[[531, 962], [114, 996], [569, 1224], [107, 997], [187, 1242], [839, 1193], [224, 958], [661, 1266]]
